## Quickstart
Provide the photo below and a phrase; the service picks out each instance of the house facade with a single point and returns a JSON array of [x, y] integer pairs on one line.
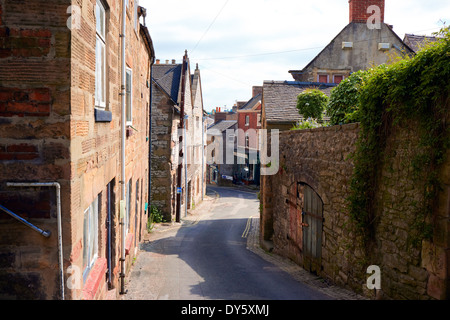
[[178, 159], [249, 125], [74, 108], [221, 152], [365, 42]]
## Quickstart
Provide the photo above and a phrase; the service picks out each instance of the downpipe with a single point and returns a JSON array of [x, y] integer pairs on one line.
[[123, 142], [58, 221]]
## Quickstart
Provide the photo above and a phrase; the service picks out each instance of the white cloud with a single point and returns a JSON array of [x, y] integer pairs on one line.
[[253, 27]]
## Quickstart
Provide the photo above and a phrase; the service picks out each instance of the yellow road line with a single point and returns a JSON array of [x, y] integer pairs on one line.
[[247, 227]]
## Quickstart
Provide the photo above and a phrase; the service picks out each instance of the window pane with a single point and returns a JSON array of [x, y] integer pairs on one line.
[[100, 19], [86, 239], [100, 73], [94, 233], [338, 79], [323, 78]]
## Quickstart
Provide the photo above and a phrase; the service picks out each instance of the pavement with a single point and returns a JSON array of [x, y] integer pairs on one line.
[[253, 245]]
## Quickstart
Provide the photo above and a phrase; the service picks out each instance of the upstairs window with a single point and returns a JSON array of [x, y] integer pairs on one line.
[[322, 78], [338, 78], [247, 120], [129, 100], [100, 56]]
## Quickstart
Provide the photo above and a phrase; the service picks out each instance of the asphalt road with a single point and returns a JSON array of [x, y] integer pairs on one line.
[[209, 260]]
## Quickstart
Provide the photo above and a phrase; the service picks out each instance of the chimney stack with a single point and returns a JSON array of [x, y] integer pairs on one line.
[[359, 8], [158, 61], [174, 61]]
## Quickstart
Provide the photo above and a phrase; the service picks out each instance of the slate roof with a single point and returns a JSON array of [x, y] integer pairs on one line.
[[280, 99], [220, 126], [416, 42], [168, 77], [252, 102]]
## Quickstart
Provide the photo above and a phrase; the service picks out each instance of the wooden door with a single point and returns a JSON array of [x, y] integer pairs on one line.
[[312, 222]]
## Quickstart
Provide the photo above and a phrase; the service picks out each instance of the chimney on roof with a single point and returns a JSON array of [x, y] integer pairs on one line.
[[362, 10], [257, 90], [174, 61], [158, 61]]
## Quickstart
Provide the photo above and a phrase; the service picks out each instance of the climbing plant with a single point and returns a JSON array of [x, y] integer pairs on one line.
[[343, 104], [413, 89]]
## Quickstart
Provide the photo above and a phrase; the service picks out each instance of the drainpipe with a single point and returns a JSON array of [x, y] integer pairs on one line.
[[203, 152], [150, 140], [123, 142], [58, 220], [185, 169]]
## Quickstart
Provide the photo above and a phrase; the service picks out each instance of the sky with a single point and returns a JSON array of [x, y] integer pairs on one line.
[[241, 43]]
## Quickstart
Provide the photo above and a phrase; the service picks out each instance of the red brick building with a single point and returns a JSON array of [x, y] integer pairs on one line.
[[74, 114], [249, 124]]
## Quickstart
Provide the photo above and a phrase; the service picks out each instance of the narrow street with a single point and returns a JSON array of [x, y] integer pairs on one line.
[[208, 259]]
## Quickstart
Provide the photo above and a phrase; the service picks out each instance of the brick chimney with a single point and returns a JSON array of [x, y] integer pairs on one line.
[[358, 10]]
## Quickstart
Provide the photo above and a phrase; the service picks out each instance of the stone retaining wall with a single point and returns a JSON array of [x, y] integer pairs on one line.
[[320, 158]]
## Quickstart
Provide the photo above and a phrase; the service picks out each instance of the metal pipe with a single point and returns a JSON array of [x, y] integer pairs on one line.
[[203, 153], [45, 233], [185, 169], [58, 220], [123, 141]]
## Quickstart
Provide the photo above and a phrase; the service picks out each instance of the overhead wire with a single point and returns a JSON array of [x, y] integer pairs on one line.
[[209, 27]]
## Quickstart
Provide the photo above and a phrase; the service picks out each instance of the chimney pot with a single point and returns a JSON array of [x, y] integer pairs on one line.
[[174, 61], [158, 61], [167, 61]]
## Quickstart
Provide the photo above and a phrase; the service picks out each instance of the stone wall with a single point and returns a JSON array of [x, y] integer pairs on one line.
[[319, 158]]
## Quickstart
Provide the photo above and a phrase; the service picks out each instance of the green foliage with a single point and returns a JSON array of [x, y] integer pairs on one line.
[[307, 124], [413, 89], [343, 104], [155, 216], [312, 103]]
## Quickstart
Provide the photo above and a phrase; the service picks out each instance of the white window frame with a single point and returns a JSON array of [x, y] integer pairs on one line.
[[129, 95], [90, 237], [100, 55], [247, 120]]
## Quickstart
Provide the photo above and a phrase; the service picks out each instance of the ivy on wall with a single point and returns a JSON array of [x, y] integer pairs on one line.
[[413, 89]]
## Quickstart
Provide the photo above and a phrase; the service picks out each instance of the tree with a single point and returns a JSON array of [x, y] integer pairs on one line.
[[311, 103]]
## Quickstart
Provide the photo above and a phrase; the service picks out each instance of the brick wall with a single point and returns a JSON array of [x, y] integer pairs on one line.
[[358, 10], [34, 135], [49, 132], [319, 158]]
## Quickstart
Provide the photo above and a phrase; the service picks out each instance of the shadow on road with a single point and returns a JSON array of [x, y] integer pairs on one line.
[[209, 260]]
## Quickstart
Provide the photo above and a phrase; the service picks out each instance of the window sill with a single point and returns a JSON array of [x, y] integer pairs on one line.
[[102, 115], [95, 278]]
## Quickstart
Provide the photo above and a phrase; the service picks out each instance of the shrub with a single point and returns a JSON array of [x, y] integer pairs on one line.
[[311, 103]]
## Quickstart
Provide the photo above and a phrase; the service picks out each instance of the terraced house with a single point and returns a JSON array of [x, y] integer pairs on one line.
[[74, 114], [178, 136]]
